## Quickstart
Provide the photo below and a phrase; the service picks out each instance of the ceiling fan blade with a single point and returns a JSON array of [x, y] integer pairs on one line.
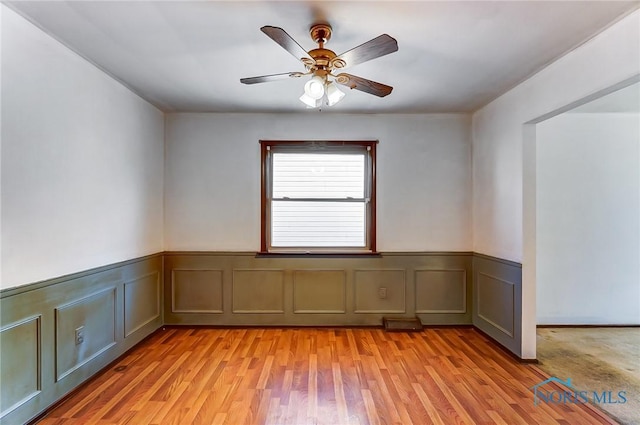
[[281, 37], [362, 84], [379, 46], [272, 77]]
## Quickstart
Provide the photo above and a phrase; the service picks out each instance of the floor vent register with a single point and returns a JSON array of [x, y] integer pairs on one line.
[[402, 325]]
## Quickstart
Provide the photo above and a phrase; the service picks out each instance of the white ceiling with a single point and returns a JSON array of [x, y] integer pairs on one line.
[[453, 56]]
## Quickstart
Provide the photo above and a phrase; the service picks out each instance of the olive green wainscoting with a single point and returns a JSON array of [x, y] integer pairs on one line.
[[441, 288], [242, 289], [497, 300], [56, 334]]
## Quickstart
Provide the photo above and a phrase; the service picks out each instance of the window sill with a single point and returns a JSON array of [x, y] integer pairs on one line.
[[309, 254]]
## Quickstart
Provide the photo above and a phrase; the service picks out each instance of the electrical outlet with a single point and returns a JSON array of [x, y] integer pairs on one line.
[[382, 292], [80, 335]]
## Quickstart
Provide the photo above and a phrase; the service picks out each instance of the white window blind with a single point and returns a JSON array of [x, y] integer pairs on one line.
[[318, 200]]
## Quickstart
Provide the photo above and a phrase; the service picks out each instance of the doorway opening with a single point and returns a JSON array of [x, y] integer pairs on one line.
[[582, 230]]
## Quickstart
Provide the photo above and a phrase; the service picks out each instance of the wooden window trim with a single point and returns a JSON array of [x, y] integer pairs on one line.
[[265, 146]]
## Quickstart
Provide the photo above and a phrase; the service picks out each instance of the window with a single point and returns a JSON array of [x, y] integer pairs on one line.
[[318, 196]]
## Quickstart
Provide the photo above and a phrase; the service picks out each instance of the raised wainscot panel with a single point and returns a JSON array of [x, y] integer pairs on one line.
[[496, 302], [20, 367], [441, 291], [95, 314], [258, 291], [380, 291], [196, 291], [141, 302], [319, 291]]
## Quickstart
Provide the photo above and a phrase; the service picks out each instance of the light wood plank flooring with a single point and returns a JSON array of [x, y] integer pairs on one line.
[[316, 376]]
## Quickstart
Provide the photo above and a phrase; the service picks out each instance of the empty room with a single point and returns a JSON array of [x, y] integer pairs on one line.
[[319, 212]]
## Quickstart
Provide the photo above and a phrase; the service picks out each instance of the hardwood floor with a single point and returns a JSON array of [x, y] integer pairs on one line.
[[316, 376]]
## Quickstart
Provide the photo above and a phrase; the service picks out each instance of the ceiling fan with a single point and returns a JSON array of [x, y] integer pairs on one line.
[[321, 63]]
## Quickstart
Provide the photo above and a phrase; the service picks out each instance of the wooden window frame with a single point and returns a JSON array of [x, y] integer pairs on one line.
[[266, 146]]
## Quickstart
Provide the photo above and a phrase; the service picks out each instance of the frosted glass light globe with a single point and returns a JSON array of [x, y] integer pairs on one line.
[[314, 88]]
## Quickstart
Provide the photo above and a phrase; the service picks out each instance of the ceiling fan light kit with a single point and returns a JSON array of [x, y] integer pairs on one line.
[[334, 94], [320, 64], [310, 102], [314, 88]]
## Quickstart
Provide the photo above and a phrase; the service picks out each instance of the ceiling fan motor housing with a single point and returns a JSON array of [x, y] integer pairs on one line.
[[322, 58]]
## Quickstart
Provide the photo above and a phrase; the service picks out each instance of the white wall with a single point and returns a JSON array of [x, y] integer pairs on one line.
[[588, 219], [213, 176], [499, 166], [1, 20], [82, 162], [609, 58]]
